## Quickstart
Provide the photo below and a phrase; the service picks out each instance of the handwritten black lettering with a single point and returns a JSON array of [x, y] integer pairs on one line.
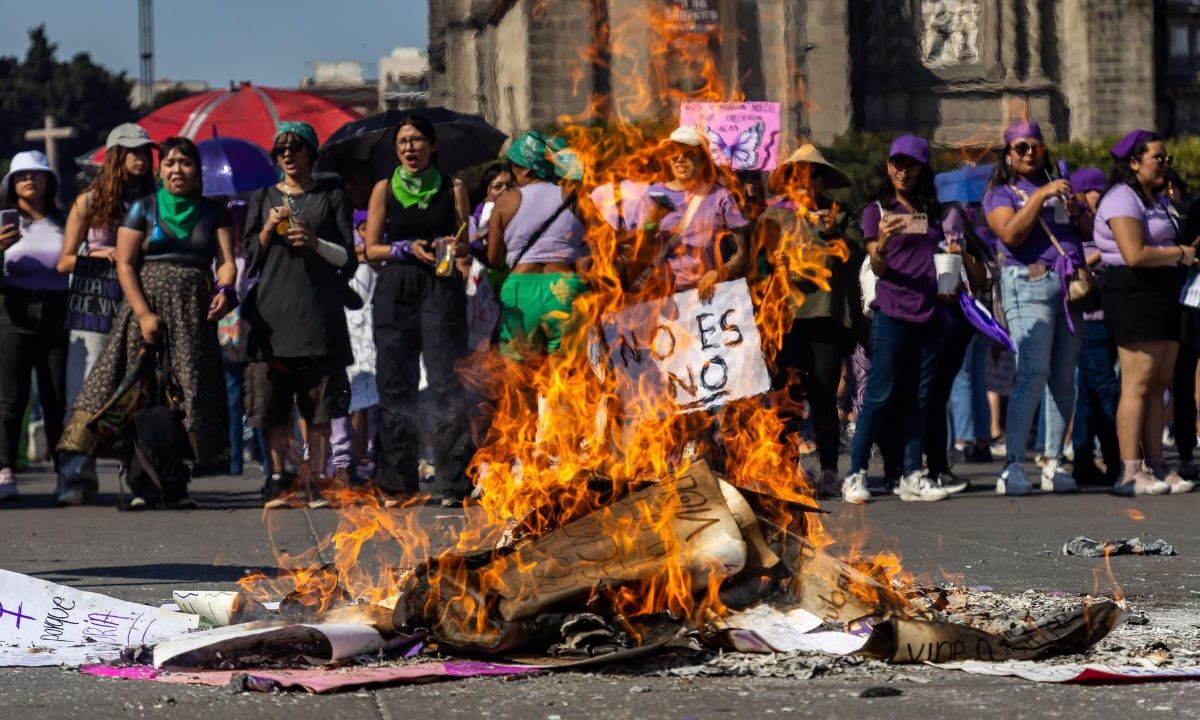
[[629, 348], [705, 331], [720, 381], [730, 327], [676, 383], [654, 342], [53, 626]]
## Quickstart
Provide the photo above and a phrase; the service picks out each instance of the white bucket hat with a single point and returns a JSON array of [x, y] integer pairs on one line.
[[23, 162]]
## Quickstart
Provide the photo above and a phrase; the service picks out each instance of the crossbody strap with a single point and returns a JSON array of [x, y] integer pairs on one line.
[[537, 234], [1049, 233]]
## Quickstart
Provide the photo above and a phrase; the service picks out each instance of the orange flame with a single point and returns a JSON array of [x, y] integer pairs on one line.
[[559, 444]]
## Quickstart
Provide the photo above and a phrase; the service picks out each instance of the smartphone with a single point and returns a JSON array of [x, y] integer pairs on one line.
[[10, 217], [916, 224], [662, 200]]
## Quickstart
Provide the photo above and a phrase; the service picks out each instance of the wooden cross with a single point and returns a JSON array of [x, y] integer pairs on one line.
[[51, 133]]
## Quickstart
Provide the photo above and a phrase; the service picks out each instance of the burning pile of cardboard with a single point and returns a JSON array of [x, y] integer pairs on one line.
[[767, 590]]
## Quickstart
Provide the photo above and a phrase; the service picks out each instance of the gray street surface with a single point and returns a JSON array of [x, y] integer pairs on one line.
[[1010, 545]]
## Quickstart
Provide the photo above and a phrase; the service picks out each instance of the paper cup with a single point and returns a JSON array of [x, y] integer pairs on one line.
[[949, 272]]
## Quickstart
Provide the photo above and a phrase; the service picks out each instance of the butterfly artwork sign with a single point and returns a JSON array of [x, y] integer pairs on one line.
[[742, 136]]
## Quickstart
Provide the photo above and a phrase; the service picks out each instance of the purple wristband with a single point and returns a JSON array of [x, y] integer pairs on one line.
[[230, 292], [401, 250], [478, 250]]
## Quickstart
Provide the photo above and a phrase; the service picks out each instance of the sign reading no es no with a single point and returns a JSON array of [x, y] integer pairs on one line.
[[684, 355]]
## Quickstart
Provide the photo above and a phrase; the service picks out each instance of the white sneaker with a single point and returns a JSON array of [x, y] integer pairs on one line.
[[1054, 479], [1013, 481], [8, 485], [854, 488], [918, 486]]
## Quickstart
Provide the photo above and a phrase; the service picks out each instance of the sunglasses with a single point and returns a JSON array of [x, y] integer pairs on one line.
[[1162, 158], [1024, 148], [293, 147]]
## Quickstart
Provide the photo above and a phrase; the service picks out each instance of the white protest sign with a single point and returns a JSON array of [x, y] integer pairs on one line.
[[683, 355], [1090, 672], [64, 621]]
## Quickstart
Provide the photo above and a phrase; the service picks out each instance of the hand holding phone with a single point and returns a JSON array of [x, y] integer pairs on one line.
[[10, 227], [663, 200]]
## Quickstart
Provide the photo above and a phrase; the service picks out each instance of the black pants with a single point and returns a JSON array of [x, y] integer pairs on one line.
[[33, 336], [817, 347], [1183, 392], [416, 312], [959, 333]]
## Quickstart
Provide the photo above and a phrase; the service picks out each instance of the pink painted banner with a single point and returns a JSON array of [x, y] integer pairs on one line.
[[318, 680], [744, 136]]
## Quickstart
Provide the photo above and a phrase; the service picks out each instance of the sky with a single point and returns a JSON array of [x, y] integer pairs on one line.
[[267, 42]]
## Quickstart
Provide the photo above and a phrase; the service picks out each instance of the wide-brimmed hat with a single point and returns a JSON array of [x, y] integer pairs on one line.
[[128, 135], [808, 153], [23, 162]]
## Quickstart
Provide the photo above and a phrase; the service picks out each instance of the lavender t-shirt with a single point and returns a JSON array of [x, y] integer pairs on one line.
[[694, 253], [32, 263], [908, 290], [1037, 246], [1158, 228]]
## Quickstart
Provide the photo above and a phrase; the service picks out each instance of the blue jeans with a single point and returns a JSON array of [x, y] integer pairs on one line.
[[1047, 352], [970, 416], [233, 395], [903, 361], [1098, 392]]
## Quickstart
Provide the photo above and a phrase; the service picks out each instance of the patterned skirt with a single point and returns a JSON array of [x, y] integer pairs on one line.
[[180, 296]]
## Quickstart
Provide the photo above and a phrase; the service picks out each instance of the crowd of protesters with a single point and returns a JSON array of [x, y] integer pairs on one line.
[[330, 316]]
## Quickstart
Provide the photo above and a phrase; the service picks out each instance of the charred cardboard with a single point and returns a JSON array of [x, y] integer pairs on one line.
[[910, 641]]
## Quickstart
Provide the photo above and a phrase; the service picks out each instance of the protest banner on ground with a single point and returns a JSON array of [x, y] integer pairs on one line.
[[69, 626], [95, 295], [682, 353], [743, 136]]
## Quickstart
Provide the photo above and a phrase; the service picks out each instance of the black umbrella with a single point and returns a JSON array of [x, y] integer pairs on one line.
[[463, 141]]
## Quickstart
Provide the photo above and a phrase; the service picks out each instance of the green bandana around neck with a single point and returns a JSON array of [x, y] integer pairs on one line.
[[416, 188], [177, 214]]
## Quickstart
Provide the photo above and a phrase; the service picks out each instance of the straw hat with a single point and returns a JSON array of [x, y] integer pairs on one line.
[[808, 153]]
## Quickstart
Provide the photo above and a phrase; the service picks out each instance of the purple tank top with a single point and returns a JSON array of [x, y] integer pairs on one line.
[[562, 242]]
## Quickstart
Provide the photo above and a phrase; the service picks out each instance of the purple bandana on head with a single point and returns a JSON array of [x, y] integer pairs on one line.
[[1027, 129], [1088, 179], [1126, 145]]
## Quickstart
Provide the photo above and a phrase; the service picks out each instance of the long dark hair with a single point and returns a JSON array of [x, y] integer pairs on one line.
[[1123, 174], [188, 149], [425, 127], [113, 186], [924, 194], [50, 206], [480, 193]]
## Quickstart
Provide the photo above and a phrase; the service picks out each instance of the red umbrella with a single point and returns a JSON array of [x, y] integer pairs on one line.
[[248, 112]]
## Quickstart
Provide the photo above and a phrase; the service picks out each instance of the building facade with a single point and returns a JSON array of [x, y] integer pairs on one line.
[[959, 68]]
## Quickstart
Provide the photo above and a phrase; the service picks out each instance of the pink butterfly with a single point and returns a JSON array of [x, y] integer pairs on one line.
[[741, 154]]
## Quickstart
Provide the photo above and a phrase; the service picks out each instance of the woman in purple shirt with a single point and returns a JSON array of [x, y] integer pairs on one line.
[[33, 305], [1136, 235], [902, 230], [1028, 210]]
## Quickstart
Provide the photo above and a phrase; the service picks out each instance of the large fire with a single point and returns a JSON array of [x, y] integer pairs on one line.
[[560, 446]]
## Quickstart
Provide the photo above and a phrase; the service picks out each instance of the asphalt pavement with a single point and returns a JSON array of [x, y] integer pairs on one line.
[[976, 538]]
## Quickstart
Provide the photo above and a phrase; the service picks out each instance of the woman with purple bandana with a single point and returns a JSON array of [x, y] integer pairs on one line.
[[1029, 211], [1136, 234], [902, 230]]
